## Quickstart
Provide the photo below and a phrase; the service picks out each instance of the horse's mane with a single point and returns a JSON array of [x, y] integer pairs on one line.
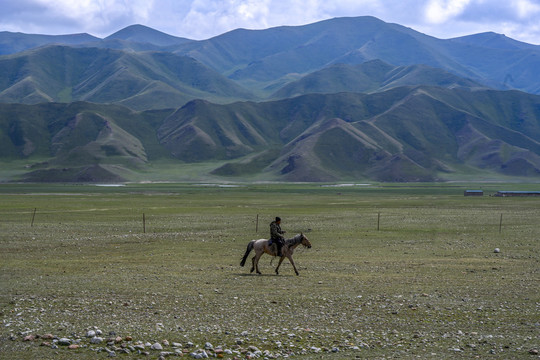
[[294, 240]]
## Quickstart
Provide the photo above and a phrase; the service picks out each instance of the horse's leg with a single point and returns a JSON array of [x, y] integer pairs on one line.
[[253, 264], [256, 261], [279, 263], [292, 262]]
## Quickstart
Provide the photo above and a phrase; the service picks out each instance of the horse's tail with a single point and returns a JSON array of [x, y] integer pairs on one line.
[[248, 250]]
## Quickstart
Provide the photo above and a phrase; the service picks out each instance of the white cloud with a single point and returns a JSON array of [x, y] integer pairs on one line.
[[526, 8], [440, 11]]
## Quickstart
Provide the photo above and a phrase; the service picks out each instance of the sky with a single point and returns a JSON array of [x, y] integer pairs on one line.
[[202, 19]]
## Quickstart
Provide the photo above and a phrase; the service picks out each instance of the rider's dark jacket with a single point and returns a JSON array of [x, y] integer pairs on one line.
[[276, 233]]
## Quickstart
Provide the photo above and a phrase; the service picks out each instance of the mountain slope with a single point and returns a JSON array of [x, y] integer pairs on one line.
[[144, 34], [139, 80], [413, 133], [268, 59], [11, 42], [404, 134], [371, 76], [79, 141]]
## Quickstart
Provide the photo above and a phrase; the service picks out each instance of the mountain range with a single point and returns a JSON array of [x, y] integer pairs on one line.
[[338, 100]]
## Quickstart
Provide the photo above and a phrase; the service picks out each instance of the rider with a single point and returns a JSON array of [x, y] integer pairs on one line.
[[276, 234]]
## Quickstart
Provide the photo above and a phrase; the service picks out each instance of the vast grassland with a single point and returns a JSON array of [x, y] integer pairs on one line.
[[395, 271]]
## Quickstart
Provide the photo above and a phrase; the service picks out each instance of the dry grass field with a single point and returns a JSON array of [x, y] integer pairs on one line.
[[395, 271]]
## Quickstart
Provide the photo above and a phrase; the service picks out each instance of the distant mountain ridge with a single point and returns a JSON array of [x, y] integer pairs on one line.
[[11, 43], [144, 34], [343, 99], [141, 81], [412, 133], [371, 76], [264, 60]]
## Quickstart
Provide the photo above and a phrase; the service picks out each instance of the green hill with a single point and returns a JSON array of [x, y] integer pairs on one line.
[[146, 80], [11, 42], [79, 141], [413, 133], [371, 76], [404, 134], [265, 60], [144, 34]]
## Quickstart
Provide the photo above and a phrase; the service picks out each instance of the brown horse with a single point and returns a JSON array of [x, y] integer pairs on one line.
[[262, 246]]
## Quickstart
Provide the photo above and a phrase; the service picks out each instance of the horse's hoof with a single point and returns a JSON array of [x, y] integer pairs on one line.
[[297, 274], [258, 272]]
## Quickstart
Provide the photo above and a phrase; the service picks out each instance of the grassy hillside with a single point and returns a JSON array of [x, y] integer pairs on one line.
[[11, 42], [149, 80], [369, 77], [266, 59], [405, 134], [414, 133], [144, 34], [79, 141]]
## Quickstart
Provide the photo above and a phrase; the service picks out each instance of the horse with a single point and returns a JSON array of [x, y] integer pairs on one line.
[[262, 246]]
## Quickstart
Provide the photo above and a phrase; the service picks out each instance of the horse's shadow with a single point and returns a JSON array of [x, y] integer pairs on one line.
[[267, 275]]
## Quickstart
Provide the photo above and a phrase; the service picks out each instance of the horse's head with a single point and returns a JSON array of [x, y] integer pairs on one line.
[[305, 241]]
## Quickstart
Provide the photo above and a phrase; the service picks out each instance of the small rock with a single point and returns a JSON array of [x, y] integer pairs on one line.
[[208, 346], [156, 346], [47, 336], [29, 338], [96, 340], [118, 339], [90, 333], [533, 351], [497, 250], [64, 341], [73, 346], [165, 342], [129, 338]]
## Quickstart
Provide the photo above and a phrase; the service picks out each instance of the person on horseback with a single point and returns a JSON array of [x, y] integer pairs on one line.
[[276, 234]]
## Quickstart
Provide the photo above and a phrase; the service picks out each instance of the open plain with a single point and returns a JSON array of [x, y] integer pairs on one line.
[[395, 271]]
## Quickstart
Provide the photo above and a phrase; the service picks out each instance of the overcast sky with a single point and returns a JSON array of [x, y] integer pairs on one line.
[[202, 19]]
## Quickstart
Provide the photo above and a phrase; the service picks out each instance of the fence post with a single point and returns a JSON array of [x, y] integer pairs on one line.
[[33, 217]]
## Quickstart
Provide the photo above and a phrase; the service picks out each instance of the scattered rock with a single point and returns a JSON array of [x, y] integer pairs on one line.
[[156, 346], [96, 340], [64, 341], [497, 250], [73, 346]]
